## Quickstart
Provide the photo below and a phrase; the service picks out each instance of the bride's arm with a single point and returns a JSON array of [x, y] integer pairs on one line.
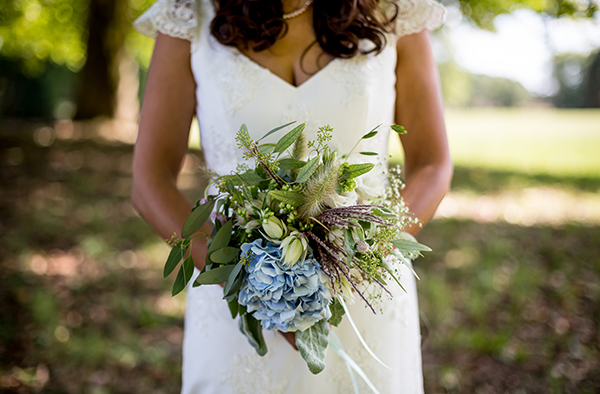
[[419, 108], [166, 115]]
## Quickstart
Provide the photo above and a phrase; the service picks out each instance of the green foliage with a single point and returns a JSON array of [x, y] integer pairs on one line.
[[214, 276], [482, 12], [312, 344], [337, 312], [252, 329], [197, 218]]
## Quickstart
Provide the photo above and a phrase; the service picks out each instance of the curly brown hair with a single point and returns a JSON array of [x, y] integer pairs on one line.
[[339, 24]]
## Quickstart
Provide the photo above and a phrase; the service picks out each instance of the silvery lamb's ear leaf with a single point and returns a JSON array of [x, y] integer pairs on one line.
[[312, 344], [252, 329], [337, 312], [409, 246], [276, 129], [287, 140]]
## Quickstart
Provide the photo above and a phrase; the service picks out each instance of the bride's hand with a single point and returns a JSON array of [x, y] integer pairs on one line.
[[290, 337]]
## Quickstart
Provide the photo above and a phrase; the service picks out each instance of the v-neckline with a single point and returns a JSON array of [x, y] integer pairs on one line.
[[236, 52]]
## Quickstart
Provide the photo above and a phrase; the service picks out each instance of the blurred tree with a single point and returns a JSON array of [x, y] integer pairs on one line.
[[89, 37], [579, 80], [483, 12], [464, 89]]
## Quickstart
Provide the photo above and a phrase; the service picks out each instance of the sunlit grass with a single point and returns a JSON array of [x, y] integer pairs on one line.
[[533, 141]]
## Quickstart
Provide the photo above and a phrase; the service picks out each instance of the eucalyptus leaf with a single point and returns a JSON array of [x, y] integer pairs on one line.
[[252, 329], [399, 129], [287, 140], [312, 344], [175, 256], [337, 312], [307, 170], [214, 276], [232, 278], [368, 153], [197, 218], [291, 164], [287, 197], [183, 276], [234, 308], [224, 255], [221, 239], [276, 129], [410, 246]]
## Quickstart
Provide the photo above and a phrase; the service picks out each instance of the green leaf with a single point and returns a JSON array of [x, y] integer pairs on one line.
[[234, 308], [252, 329], [221, 239], [276, 129], [287, 140], [197, 218], [337, 312], [287, 197], [370, 135], [308, 170], [224, 255], [369, 153], [355, 170], [410, 246], [291, 164], [384, 213], [267, 148], [399, 129], [177, 254], [394, 277], [214, 276], [232, 278], [183, 276], [349, 246], [312, 344], [250, 178], [247, 193]]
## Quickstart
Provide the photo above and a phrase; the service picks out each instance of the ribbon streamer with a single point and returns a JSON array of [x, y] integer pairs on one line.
[[358, 333], [336, 345]]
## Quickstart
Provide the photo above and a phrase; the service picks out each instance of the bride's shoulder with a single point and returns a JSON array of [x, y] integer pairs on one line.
[[414, 16], [176, 18]]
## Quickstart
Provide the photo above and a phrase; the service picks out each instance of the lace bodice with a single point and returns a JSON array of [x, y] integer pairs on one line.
[[352, 96]]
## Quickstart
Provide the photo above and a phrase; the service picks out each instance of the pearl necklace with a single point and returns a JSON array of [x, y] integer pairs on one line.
[[299, 11]]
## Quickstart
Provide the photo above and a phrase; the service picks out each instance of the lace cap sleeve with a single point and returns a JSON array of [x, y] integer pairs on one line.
[[417, 15], [176, 18]]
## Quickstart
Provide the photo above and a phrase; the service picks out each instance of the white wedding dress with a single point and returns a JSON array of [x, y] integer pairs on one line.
[[352, 96]]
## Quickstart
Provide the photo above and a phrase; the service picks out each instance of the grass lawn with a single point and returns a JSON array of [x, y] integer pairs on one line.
[[509, 303]]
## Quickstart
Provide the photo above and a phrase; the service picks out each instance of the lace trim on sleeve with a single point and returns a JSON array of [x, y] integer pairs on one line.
[[176, 18], [417, 15]]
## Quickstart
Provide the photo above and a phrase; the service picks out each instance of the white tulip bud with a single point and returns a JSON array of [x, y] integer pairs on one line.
[[274, 227]]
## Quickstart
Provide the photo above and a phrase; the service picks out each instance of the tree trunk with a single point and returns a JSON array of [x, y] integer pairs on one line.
[[98, 81]]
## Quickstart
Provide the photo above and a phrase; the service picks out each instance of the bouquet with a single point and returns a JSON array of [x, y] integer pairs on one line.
[[297, 236]]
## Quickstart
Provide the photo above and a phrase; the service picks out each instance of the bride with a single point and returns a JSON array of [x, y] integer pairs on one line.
[[351, 64]]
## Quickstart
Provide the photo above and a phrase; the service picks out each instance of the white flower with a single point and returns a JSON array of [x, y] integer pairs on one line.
[[274, 227], [345, 199], [370, 186], [294, 248]]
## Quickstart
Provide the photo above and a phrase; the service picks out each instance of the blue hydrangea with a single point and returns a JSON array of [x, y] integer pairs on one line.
[[287, 298]]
